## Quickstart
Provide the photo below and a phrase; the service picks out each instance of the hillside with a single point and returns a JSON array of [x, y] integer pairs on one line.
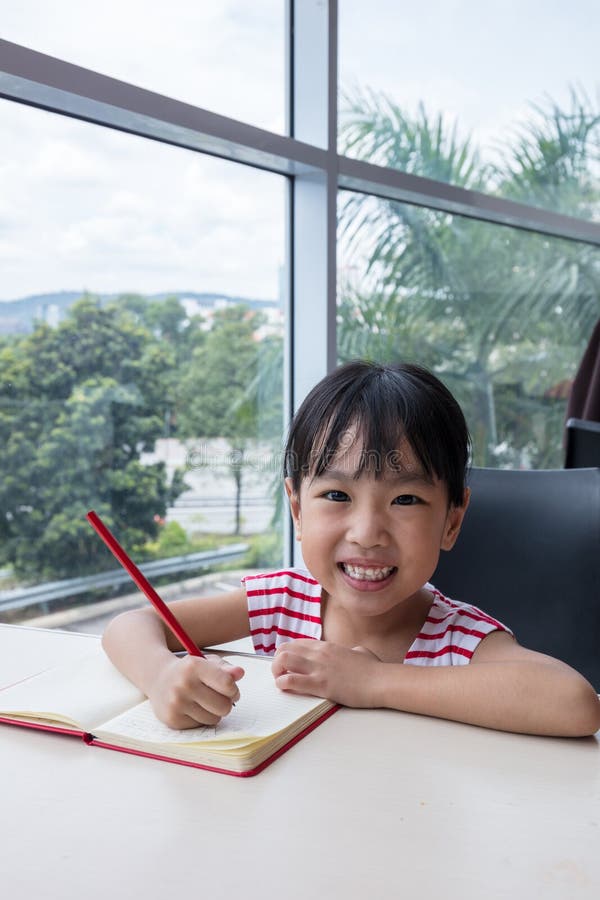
[[19, 316]]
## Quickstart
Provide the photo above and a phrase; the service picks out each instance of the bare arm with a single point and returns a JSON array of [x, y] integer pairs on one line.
[[189, 690], [505, 686]]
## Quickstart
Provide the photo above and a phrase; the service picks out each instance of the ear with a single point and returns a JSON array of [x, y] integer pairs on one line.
[[454, 520], [294, 502]]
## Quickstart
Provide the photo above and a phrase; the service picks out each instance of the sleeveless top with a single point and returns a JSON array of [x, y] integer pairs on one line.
[[286, 605]]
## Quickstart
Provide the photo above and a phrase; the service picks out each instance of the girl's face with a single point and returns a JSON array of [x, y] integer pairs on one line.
[[372, 543]]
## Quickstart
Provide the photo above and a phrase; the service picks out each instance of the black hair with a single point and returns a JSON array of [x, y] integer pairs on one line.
[[381, 405]]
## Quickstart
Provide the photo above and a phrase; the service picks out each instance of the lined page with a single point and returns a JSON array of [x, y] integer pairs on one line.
[[262, 710], [83, 692], [26, 651]]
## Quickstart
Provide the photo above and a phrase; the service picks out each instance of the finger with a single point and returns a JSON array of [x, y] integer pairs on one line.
[[181, 720], [214, 702], [293, 683], [194, 718], [222, 677], [288, 661], [298, 643], [201, 716], [235, 671], [204, 705], [222, 663]]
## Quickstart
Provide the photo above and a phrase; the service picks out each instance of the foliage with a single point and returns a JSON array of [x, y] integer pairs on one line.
[[502, 315], [266, 550], [179, 337], [172, 541], [232, 389], [81, 403], [78, 405], [551, 161]]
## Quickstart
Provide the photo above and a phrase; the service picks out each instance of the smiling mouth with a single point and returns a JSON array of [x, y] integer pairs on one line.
[[367, 573]]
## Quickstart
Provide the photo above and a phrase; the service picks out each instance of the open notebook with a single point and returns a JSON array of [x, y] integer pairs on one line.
[[88, 697]]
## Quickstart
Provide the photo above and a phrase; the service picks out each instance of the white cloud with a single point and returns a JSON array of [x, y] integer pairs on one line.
[[87, 206], [112, 212], [67, 163], [226, 55], [481, 64]]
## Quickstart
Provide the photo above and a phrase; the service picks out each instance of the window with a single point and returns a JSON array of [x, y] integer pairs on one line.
[[141, 340], [226, 57], [501, 315], [500, 98], [197, 246]]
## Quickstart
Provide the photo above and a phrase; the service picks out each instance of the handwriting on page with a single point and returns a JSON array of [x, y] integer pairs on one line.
[[262, 710], [140, 724]]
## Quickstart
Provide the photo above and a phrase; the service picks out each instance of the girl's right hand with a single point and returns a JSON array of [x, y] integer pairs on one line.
[[191, 691]]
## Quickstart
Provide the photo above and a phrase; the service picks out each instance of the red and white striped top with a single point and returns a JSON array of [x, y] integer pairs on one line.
[[286, 605]]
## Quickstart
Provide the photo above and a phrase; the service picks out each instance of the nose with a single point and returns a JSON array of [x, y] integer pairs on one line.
[[367, 528]]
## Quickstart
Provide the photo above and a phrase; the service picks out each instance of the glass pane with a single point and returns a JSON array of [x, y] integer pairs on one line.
[[226, 57], [501, 315], [500, 98], [141, 330]]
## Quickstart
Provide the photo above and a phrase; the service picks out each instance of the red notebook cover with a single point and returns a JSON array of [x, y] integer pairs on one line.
[[93, 742], [246, 774]]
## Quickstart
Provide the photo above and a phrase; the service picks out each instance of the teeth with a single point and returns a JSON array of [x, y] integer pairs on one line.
[[367, 574]]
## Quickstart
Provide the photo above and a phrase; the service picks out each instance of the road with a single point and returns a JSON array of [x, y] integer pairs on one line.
[[93, 618], [208, 505]]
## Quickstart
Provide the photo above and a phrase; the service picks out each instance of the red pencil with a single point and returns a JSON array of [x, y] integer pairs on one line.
[[142, 582]]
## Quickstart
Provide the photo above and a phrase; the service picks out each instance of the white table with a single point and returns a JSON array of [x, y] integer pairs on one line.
[[374, 804]]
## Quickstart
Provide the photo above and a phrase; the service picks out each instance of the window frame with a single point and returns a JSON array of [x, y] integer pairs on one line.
[[308, 156]]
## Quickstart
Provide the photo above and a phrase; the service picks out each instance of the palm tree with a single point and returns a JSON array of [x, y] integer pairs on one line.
[[490, 308], [553, 162]]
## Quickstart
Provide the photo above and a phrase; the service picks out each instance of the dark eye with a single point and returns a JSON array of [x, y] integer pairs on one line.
[[406, 500], [336, 496]]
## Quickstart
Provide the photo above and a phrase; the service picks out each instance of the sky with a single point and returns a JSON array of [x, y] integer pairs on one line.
[[82, 207], [481, 62]]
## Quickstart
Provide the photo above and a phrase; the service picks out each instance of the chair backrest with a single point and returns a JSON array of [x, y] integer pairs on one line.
[[529, 554], [582, 444]]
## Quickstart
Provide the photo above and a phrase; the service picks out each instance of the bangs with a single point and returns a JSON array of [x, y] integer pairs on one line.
[[378, 422], [381, 408]]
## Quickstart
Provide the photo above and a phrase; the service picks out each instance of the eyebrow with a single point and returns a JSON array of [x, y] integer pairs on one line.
[[402, 476]]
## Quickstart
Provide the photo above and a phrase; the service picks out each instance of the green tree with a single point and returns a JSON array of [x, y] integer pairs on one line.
[[232, 389], [78, 405], [490, 308], [179, 336]]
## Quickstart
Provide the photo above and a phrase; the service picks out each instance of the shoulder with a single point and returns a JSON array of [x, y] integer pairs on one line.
[[293, 582], [451, 632], [454, 614], [282, 605]]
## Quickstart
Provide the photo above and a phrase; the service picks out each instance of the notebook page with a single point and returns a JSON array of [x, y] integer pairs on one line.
[[26, 651], [262, 710], [82, 692]]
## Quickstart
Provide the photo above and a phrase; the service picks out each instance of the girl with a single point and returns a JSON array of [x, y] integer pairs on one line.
[[375, 475]]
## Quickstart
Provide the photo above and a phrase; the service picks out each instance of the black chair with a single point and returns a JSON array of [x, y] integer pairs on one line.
[[582, 444], [529, 554]]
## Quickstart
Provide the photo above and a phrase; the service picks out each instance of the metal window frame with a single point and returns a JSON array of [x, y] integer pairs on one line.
[[308, 157]]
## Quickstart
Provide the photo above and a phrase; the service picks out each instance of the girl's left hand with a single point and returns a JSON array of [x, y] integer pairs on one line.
[[323, 669]]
